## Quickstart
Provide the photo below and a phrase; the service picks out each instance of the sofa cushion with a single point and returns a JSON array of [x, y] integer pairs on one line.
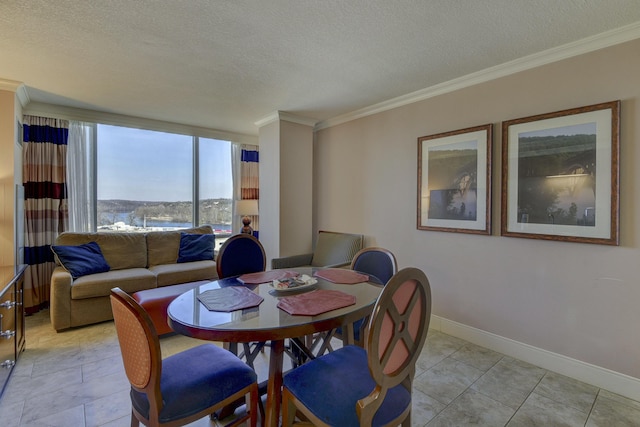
[[196, 247], [80, 260], [163, 246], [170, 274], [121, 250], [98, 285]]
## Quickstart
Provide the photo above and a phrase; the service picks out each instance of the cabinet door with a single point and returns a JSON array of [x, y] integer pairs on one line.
[[7, 334], [19, 312]]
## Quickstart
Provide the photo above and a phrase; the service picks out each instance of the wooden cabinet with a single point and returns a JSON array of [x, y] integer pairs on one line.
[[12, 339]]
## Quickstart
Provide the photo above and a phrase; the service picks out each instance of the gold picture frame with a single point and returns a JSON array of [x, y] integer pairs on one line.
[[560, 175], [454, 181]]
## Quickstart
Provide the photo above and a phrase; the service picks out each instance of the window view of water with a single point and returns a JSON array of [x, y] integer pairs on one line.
[[139, 217], [124, 221]]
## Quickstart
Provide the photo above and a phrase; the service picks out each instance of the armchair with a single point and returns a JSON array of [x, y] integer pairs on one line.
[[332, 250]]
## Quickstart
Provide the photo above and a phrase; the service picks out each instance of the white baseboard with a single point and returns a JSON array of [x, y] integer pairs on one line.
[[607, 379]]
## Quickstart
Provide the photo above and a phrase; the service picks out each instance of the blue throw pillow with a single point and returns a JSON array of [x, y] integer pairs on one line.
[[196, 247], [81, 260]]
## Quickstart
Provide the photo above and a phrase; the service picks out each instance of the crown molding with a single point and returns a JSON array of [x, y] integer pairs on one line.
[[10, 85], [287, 117], [18, 88], [70, 113], [586, 45]]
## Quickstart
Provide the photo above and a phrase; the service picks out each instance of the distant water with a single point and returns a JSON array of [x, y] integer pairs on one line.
[[138, 222]]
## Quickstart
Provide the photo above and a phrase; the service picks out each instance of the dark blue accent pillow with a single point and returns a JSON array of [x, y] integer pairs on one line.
[[80, 260], [196, 247]]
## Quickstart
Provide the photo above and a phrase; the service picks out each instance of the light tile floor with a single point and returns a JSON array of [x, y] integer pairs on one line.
[[76, 379]]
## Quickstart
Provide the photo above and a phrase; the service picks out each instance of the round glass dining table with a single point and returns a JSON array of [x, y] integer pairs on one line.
[[268, 323]]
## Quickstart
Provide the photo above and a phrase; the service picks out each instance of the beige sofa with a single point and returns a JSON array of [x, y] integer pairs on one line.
[[137, 261]]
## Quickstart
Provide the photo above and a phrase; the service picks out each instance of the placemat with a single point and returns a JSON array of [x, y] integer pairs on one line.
[[266, 276], [228, 299], [315, 302], [341, 275]]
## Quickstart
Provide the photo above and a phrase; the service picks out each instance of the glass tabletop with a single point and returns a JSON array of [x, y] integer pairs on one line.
[[188, 316]]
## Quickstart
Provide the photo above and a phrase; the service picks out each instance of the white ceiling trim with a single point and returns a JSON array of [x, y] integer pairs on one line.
[[9, 85], [287, 117], [586, 45], [18, 88], [70, 113]]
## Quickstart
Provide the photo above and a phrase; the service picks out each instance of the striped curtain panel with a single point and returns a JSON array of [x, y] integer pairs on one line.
[[45, 204], [250, 179]]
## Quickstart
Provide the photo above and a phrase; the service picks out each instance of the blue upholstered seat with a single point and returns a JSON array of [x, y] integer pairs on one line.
[[370, 386], [181, 388], [189, 384], [240, 254], [315, 386]]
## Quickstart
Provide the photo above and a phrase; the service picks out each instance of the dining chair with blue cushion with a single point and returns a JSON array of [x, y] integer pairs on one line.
[[184, 387], [380, 264], [240, 254], [377, 262], [371, 386]]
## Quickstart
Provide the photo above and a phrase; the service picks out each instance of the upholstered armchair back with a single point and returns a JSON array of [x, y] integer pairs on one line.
[[335, 249], [332, 250]]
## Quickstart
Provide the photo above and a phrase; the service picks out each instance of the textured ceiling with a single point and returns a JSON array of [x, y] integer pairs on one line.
[[227, 64]]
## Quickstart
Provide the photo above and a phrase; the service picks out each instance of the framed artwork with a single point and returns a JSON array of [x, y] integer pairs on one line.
[[454, 181], [560, 175]]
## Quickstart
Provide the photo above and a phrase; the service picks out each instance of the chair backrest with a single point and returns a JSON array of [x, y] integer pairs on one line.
[[333, 248], [240, 254], [377, 262], [139, 346], [397, 331]]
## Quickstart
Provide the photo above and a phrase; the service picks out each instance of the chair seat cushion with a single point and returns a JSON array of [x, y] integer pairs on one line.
[[196, 379], [330, 386]]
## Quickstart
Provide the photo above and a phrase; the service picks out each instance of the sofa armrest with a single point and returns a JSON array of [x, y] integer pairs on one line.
[[291, 261], [60, 304]]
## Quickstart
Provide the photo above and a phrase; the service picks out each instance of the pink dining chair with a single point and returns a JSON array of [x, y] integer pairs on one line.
[[371, 386], [184, 387]]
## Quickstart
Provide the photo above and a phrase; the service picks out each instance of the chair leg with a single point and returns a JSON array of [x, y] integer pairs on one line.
[[135, 422], [288, 409], [252, 405], [407, 421]]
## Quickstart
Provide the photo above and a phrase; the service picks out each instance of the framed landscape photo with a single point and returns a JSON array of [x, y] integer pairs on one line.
[[560, 175], [454, 181]]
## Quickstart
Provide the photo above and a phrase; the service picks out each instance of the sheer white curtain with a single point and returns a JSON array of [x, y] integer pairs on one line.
[[80, 175], [236, 157]]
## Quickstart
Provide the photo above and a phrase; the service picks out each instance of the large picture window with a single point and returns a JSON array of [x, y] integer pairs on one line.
[[149, 180]]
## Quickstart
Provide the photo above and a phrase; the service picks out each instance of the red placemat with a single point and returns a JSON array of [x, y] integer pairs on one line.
[[341, 275], [266, 276], [315, 302], [228, 299]]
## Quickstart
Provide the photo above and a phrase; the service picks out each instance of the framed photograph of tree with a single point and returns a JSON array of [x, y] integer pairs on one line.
[[560, 175], [454, 181]]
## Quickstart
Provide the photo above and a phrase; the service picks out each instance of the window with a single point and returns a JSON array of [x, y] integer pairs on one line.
[[146, 180], [215, 184]]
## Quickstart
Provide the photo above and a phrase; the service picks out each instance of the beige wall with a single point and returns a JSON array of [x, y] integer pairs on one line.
[[286, 188], [575, 300], [9, 112]]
